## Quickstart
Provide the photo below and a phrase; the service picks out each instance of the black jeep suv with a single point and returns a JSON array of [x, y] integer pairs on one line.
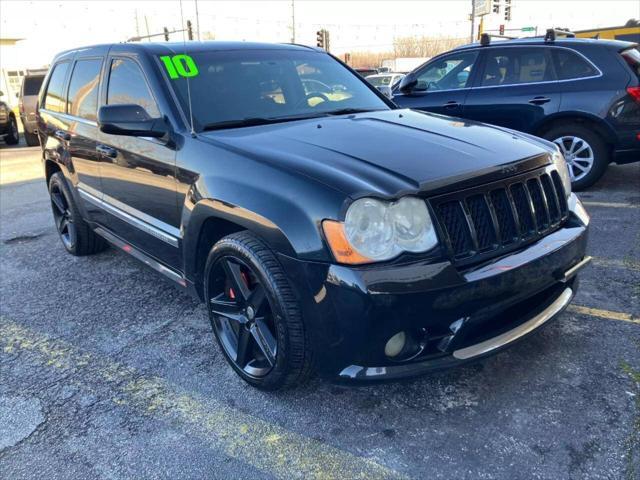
[[582, 94], [326, 231]]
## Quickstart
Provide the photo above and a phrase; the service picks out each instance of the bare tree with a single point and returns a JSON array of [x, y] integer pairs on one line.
[[424, 46]]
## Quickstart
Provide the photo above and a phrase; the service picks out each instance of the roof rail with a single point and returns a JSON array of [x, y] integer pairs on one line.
[[485, 38], [552, 33]]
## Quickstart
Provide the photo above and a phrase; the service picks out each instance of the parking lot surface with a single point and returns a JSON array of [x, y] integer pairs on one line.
[[107, 371]]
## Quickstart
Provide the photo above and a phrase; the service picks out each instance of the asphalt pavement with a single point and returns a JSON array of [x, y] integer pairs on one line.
[[107, 371]]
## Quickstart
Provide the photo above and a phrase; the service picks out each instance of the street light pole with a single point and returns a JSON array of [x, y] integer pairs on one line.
[[197, 19], [473, 19], [293, 21]]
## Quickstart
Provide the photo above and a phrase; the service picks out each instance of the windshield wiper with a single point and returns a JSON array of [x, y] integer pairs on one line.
[[253, 121], [347, 111]]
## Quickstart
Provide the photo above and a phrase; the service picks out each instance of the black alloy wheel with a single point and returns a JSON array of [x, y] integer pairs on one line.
[[63, 217], [255, 314], [243, 317]]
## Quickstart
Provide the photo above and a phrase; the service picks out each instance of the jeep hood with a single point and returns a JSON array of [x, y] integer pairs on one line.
[[388, 152]]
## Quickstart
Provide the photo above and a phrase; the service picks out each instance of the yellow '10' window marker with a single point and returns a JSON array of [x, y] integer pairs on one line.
[[179, 66]]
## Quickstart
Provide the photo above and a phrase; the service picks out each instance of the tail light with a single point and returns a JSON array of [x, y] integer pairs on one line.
[[634, 92]]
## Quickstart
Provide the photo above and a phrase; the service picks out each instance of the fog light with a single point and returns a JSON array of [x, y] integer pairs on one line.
[[395, 345]]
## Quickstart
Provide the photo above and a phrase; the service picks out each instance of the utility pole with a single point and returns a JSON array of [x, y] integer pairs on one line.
[[473, 19], [197, 19], [293, 21]]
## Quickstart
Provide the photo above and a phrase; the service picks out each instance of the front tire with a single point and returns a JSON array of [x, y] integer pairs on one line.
[[77, 236], [255, 316], [585, 151]]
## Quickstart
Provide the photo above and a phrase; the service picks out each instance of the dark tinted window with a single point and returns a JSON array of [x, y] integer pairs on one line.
[[512, 66], [234, 85], [83, 89], [32, 85], [447, 73], [571, 65], [54, 99], [127, 84]]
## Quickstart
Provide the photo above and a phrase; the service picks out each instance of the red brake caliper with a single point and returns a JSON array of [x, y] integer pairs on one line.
[[245, 278]]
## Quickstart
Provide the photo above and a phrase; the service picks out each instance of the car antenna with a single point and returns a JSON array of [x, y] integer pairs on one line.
[[184, 45]]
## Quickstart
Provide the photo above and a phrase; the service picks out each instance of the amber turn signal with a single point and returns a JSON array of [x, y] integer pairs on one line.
[[340, 247]]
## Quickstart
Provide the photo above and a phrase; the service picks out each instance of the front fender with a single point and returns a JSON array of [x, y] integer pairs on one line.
[[285, 212]]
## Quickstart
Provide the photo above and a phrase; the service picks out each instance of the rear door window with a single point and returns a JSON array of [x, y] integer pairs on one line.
[[127, 84], [83, 89], [571, 65], [632, 57], [513, 66], [54, 99]]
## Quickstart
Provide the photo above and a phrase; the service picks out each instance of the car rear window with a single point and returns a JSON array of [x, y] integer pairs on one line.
[[54, 99], [632, 57], [32, 85], [570, 65]]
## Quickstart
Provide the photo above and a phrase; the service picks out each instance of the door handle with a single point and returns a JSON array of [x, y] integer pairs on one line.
[[107, 151], [539, 100], [62, 135], [451, 104]]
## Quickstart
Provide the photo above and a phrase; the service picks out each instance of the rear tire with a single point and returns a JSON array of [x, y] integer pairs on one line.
[[586, 153], [13, 137], [31, 139], [243, 257], [77, 236]]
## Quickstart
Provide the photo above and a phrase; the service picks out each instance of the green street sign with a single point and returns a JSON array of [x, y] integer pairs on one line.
[[527, 29]]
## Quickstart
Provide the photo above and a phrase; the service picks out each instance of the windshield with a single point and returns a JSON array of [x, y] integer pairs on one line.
[[229, 87]]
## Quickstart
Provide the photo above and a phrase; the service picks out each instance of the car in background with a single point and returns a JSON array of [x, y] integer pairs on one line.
[[581, 94], [27, 104], [8, 124], [385, 82], [366, 71]]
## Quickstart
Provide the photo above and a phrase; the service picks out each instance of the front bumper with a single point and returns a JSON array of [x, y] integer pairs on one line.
[[453, 315]]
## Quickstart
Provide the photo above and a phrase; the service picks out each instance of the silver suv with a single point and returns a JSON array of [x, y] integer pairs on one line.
[[27, 104]]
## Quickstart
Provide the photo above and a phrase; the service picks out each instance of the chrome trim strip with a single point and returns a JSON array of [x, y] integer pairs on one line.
[[576, 268], [134, 252], [129, 218], [71, 118], [501, 340], [546, 82]]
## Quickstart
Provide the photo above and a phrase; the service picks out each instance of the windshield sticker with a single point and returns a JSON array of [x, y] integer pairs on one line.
[[179, 66]]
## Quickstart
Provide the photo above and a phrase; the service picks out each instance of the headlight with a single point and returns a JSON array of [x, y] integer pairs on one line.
[[375, 230], [563, 170]]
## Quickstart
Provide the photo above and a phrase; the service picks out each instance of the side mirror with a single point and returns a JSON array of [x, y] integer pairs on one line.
[[131, 120], [408, 83]]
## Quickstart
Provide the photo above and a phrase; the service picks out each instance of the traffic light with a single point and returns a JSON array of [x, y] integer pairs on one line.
[[501, 29], [507, 10], [189, 30], [321, 38], [347, 58], [496, 6], [166, 34]]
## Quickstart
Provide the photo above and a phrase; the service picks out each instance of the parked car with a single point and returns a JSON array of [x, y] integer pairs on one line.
[[366, 71], [343, 236], [385, 82], [27, 104], [582, 94], [8, 124]]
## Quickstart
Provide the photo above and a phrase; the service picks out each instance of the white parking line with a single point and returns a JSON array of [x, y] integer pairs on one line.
[[609, 204]]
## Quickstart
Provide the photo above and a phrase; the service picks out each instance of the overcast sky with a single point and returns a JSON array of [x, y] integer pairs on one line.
[[50, 26]]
